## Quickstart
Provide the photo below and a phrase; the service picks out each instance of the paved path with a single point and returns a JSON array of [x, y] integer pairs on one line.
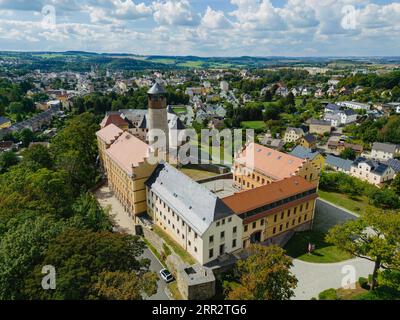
[[107, 199], [314, 278]]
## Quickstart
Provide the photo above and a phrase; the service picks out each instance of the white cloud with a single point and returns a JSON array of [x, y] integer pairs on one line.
[[127, 9], [175, 13], [258, 15], [258, 27], [213, 19]]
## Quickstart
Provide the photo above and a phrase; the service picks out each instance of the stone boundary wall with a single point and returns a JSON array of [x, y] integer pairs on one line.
[[224, 176]]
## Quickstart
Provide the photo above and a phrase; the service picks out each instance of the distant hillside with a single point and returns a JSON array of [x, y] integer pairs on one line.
[[83, 61]]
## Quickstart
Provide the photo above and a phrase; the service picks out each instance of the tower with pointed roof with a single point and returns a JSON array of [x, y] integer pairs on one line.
[[158, 115]]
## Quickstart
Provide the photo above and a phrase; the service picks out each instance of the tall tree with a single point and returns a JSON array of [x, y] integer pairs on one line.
[[75, 151], [264, 275], [80, 256], [125, 285], [375, 236], [7, 160]]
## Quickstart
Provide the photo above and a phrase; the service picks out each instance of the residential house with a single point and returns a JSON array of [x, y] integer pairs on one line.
[[394, 164], [201, 223], [319, 93], [333, 118], [354, 105], [282, 91], [339, 146], [309, 141], [319, 127], [371, 171], [338, 164], [272, 213], [384, 151], [293, 134], [4, 123], [332, 108], [273, 143], [6, 146]]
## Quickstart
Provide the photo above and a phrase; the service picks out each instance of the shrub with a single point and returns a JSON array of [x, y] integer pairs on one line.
[[329, 294], [363, 283]]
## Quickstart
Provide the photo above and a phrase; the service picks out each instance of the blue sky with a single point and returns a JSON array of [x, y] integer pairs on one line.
[[204, 27]]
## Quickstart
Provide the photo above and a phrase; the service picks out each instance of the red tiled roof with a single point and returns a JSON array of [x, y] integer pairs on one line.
[[258, 197]]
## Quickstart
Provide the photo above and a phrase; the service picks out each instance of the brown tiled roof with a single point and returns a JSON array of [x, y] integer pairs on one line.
[[258, 197], [114, 119]]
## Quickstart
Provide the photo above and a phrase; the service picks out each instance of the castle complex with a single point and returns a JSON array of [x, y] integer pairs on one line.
[[274, 193]]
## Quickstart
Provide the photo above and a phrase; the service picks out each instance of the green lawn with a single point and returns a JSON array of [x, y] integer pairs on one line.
[[253, 124], [358, 205], [174, 245], [324, 252], [179, 110]]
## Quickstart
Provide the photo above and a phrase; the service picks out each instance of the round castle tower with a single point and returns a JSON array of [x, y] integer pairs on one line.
[[157, 116]]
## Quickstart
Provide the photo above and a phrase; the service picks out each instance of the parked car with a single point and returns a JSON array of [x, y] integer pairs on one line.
[[166, 275]]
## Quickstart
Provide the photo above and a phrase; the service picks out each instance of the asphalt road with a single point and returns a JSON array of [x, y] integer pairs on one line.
[[156, 266]]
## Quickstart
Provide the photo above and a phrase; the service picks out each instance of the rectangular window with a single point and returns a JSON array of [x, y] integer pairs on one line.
[[211, 239], [222, 235], [234, 243], [282, 214], [254, 224], [307, 205], [275, 218], [234, 230], [262, 222], [274, 230], [245, 228], [287, 225], [280, 227], [305, 217], [211, 253]]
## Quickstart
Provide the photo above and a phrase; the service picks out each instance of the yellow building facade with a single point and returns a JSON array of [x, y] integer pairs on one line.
[[272, 213]]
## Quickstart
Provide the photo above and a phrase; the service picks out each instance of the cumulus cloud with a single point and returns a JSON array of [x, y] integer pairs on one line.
[[175, 13], [297, 27], [213, 19], [259, 15]]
